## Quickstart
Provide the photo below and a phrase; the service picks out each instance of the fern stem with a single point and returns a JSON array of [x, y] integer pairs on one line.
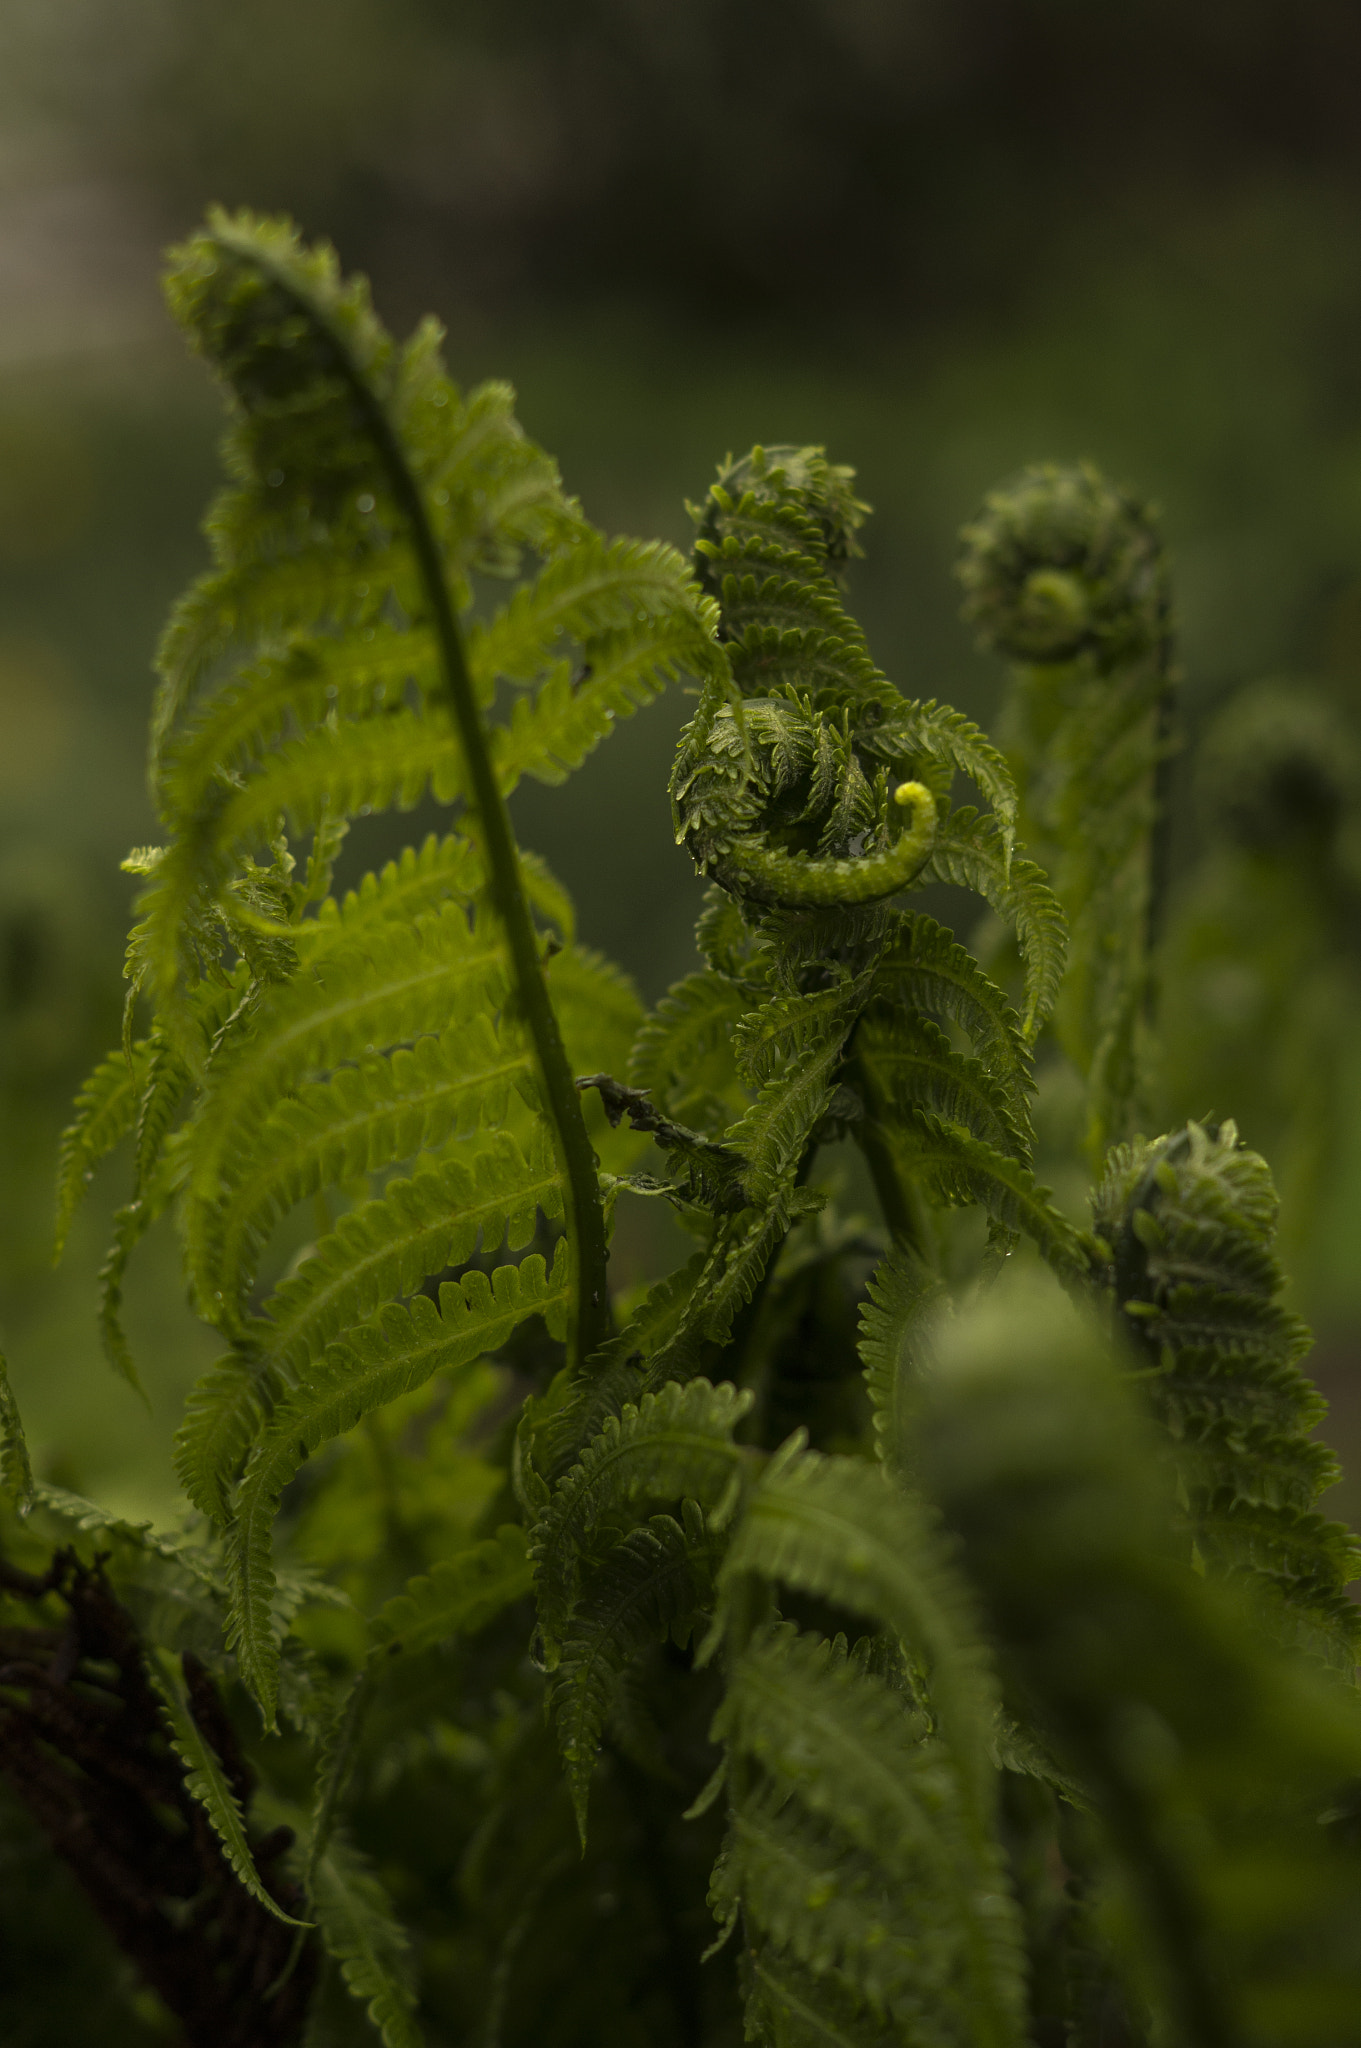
[[904, 1209], [561, 1101], [1173, 1914]]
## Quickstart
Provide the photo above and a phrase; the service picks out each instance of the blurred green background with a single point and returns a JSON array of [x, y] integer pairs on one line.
[[944, 237]]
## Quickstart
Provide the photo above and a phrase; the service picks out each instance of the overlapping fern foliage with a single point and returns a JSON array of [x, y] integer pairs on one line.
[[834, 1642]]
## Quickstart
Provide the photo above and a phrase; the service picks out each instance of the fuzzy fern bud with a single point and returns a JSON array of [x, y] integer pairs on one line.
[[1059, 565]]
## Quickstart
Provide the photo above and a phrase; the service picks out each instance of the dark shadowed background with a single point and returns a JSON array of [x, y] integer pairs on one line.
[[944, 237]]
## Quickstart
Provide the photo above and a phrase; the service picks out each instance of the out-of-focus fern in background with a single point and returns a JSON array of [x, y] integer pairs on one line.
[[945, 237]]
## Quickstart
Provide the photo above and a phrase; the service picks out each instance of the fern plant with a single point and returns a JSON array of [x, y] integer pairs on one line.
[[1260, 972], [1066, 576], [915, 1628]]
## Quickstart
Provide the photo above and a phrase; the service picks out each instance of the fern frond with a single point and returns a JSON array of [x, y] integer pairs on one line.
[[263, 600], [369, 1116], [487, 1191], [157, 1184], [683, 1055], [675, 1444], [838, 1528], [362, 1934], [838, 1739], [550, 734], [791, 1050], [130, 1225], [251, 1149], [385, 762], [337, 1757], [925, 969], [224, 1413], [1059, 565], [825, 1904], [287, 691], [591, 590], [946, 738], [1191, 1222], [918, 1072], [1050, 1485], [904, 1302], [391, 1355], [504, 494], [652, 1584], [392, 983], [789, 2007], [207, 1781], [739, 1255], [927, 1930], [787, 1029], [773, 532], [770, 875], [458, 1596], [92, 1519], [969, 851], [301, 692], [419, 882], [959, 1168], [166, 1081], [105, 1112], [16, 1472]]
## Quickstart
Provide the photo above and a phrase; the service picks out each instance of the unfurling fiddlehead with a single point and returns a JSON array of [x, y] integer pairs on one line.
[[785, 798], [792, 788], [1190, 1223], [1065, 576]]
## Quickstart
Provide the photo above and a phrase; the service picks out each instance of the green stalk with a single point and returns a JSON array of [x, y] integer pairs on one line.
[[903, 1206], [561, 1100]]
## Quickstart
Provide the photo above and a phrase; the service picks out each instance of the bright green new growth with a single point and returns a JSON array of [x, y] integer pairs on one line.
[[827, 1588], [299, 1044], [1065, 576]]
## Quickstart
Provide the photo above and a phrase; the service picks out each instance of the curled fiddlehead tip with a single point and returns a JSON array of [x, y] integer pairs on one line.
[[1060, 564], [801, 478], [764, 873]]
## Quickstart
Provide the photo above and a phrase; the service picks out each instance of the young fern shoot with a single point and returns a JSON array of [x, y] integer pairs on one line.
[[1066, 577], [299, 1043]]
